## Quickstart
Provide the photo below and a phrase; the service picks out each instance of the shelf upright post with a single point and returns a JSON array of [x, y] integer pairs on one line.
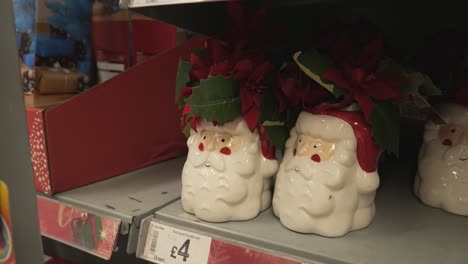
[[15, 160]]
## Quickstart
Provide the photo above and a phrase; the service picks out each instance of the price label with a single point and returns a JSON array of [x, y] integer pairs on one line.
[[168, 245]]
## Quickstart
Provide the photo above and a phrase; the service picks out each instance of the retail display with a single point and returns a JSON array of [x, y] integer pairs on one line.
[[292, 132]]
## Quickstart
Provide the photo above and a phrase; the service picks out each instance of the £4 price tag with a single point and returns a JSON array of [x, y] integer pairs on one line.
[[169, 245]]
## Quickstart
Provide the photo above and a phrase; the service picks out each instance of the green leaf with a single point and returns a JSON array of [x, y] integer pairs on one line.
[[186, 130], [421, 83], [417, 82], [216, 99], [385, 122], [277, 135], [339, 92], [392, 66], [269, 108], [200, 53], [315, 66], [317, 63], [217, 87], [183, 76]]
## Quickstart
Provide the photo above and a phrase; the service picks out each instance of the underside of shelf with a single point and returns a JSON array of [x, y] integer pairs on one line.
[[403, 231], [403, 26]]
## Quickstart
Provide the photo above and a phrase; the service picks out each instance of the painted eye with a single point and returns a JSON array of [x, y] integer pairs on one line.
[[204, 137], [453, 130], [300, 140], [315, 146], [223, 140]]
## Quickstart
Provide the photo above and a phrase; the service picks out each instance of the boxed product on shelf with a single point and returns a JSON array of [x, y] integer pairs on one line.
[[25, 20], [120, 38], [57, 81], [49, 46], [126, 123]]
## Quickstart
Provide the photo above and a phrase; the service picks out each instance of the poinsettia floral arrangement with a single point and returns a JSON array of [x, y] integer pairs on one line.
[[234, 76], [220, 83], [356, 72]]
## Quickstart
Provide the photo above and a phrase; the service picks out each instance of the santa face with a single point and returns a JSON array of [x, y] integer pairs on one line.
[[226, 176], [320, 187], [442, 179]]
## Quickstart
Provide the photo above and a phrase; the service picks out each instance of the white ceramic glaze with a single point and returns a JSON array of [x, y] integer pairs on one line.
[[442, 178], [225, 176], [320, 187]]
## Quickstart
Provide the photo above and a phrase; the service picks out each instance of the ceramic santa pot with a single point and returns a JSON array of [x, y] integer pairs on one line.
[[327, 180], [442, 178], [226, 177]]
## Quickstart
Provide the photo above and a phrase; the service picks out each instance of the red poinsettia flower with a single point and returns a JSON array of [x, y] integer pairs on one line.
[[249, 28], [218, 60], [251, 78], [249, 69], [356, 73], [293, 89]]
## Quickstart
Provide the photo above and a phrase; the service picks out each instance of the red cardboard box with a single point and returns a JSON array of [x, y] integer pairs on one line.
[[123, 124], [112, 39]]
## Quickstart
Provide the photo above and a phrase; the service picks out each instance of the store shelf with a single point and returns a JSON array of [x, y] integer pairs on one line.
[[147, 3], [403, 231], [127, 198]]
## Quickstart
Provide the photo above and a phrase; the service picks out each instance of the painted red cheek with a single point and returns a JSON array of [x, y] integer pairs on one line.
[[225, 151], [201, 147], [447, 142], [315, 158]]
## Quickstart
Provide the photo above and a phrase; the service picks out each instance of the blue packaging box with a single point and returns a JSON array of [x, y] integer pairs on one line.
[[50, 46], [29, 59]]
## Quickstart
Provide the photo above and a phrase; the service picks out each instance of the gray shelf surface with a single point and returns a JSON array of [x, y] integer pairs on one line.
[[403, 231], [130, 197]]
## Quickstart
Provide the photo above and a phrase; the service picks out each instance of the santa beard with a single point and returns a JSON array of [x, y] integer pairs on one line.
[[442, 179], [218, 188], [321, 198]]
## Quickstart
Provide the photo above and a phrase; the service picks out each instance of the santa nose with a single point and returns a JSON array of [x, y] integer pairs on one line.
[[302, 149], [210, 144]]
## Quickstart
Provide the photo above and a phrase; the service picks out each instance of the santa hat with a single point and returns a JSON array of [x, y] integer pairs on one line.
[[367, 151]]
